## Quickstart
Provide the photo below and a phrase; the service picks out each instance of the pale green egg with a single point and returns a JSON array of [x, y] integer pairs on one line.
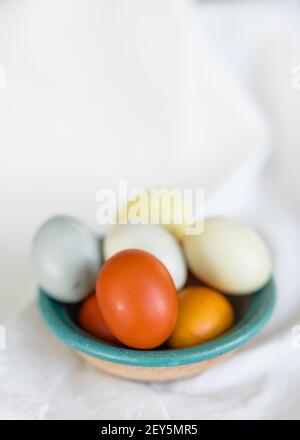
[[66, 259]]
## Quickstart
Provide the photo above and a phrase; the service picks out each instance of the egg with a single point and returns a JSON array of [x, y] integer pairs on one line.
[[203, 315], [159, 207], [229, 256], [150, 238], [138, 299], [66, 259], [91, 320]]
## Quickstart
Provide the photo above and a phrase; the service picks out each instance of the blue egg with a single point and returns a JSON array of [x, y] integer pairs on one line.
[[66, 259]]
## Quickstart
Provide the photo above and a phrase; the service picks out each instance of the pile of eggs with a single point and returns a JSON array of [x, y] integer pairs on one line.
[[146, 285]]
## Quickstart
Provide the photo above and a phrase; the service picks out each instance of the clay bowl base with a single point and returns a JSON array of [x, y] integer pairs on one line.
[[154, 374]]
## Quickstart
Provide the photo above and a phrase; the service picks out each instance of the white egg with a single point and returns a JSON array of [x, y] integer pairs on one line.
[[66, 259], [153, 239], [229, 256]]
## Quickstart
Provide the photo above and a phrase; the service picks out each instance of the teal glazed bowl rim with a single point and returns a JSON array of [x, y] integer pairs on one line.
[[59, 321]]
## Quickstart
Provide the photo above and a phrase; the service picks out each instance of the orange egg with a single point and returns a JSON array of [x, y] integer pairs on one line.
[[91, 320], [138, 298], [204, 314]]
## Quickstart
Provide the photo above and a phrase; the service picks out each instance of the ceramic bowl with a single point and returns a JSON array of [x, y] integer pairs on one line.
[[163, 364]]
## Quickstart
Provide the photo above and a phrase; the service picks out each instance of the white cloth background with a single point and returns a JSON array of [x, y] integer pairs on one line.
[[195, 94]]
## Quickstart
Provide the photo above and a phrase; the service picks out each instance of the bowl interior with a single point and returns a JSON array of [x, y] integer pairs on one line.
[[252, 313]]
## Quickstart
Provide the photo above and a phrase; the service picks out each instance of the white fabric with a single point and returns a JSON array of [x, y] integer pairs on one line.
[[195, 94]]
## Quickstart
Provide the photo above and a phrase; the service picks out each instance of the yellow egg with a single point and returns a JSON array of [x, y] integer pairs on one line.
[[204, 314], [163, 207]]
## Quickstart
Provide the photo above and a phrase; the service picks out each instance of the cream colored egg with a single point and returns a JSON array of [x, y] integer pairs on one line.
[[229, 256], [163, 207], [150, 238]]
